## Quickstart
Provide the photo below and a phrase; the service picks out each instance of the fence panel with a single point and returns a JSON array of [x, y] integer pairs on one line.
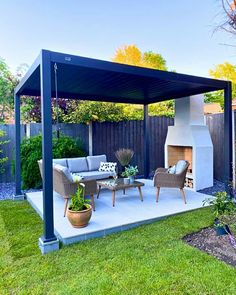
[[8, 150], [108, 137], [215, 124]]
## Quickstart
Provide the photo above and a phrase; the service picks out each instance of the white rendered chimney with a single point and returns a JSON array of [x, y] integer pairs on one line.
[[190, 130]]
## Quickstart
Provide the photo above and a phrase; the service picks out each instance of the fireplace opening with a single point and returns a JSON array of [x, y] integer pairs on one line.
[[176, 153]]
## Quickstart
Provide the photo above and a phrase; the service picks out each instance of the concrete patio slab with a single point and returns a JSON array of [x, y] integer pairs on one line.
[[128, 212]]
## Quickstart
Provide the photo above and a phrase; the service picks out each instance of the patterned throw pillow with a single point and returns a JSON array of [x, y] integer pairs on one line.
[[107, 167]]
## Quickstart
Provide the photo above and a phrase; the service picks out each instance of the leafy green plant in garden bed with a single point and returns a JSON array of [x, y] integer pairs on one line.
[[31, 152], [3, 159]]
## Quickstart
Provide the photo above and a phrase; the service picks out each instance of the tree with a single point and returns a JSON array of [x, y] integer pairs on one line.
[[31, 109], [87, 111], [229, 22], [131, 55], [225, 71], [7, 85]]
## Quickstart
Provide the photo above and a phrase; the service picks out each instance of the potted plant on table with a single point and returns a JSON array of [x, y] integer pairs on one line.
[[79, 211], [130, 172], [223, 206]]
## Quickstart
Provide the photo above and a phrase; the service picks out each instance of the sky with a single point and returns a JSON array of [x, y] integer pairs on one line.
[[180, 30]]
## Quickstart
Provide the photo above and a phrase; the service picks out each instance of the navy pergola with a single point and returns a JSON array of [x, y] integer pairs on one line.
[[91, 79]]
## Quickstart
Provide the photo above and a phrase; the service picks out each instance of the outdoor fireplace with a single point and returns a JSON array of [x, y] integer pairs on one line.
[[189, 139]]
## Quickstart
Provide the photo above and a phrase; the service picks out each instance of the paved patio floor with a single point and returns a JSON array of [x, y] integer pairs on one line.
[[129, 211]]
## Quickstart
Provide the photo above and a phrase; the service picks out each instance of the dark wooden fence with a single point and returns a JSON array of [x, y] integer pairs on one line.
[[216, 127], [108, 137]]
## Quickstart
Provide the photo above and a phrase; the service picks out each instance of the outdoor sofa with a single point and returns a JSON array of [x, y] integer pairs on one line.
[[68, 172]]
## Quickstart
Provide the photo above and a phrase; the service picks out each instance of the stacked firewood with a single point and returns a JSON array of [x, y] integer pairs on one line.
[[188, 182]]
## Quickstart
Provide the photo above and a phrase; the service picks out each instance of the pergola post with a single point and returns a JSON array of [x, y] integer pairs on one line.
[[228, 142], [18, 193], [146, 142], [48, 242]]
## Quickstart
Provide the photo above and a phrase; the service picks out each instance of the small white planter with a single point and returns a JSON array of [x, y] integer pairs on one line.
[[126, 180]]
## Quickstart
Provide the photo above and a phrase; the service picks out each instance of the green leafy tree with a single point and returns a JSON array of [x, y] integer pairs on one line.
[[3, 159], [7, 85], [87, 111]]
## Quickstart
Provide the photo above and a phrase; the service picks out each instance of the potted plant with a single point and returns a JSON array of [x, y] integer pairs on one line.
[[130, 172], [79, 211], [222, 206]]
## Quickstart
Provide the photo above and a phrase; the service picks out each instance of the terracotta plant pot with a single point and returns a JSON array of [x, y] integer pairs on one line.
[[79, 218]]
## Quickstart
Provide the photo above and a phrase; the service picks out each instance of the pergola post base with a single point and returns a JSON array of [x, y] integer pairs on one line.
[[47, 247], [19, 197]]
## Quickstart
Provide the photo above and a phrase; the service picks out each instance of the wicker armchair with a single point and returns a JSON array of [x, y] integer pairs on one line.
[[64, 187], [164, 179]]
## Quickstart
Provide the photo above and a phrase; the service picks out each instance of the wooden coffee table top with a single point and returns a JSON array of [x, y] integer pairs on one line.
[[115, 185]]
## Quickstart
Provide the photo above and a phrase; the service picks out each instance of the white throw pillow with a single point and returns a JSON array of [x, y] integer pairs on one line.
[[76, 177], [107, 167], [180, 166], [171, 170]]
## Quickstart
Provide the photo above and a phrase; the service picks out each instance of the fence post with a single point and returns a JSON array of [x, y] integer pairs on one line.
[[146, 142], [90, 138], [228, 152]]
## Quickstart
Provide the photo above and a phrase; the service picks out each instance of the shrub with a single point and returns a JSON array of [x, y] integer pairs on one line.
[[31, 152], [3, 160]]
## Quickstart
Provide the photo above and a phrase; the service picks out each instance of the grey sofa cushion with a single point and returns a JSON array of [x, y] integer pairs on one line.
[[77, 164], [64, 170], [93, 175], [94, 161], [61, 162]]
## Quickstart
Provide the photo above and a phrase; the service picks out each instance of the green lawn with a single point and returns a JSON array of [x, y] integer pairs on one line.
[[151, 259]]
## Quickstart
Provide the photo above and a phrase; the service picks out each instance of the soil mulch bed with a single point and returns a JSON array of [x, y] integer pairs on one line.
[[218, 246]]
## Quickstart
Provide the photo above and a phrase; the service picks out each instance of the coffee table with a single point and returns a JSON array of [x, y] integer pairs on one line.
[[118, 184]]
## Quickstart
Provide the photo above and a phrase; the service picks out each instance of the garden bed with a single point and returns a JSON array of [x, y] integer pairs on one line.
[[218, 246]]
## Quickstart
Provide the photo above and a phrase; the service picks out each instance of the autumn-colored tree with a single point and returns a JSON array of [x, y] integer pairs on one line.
[[131, 55], [224, 71]]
